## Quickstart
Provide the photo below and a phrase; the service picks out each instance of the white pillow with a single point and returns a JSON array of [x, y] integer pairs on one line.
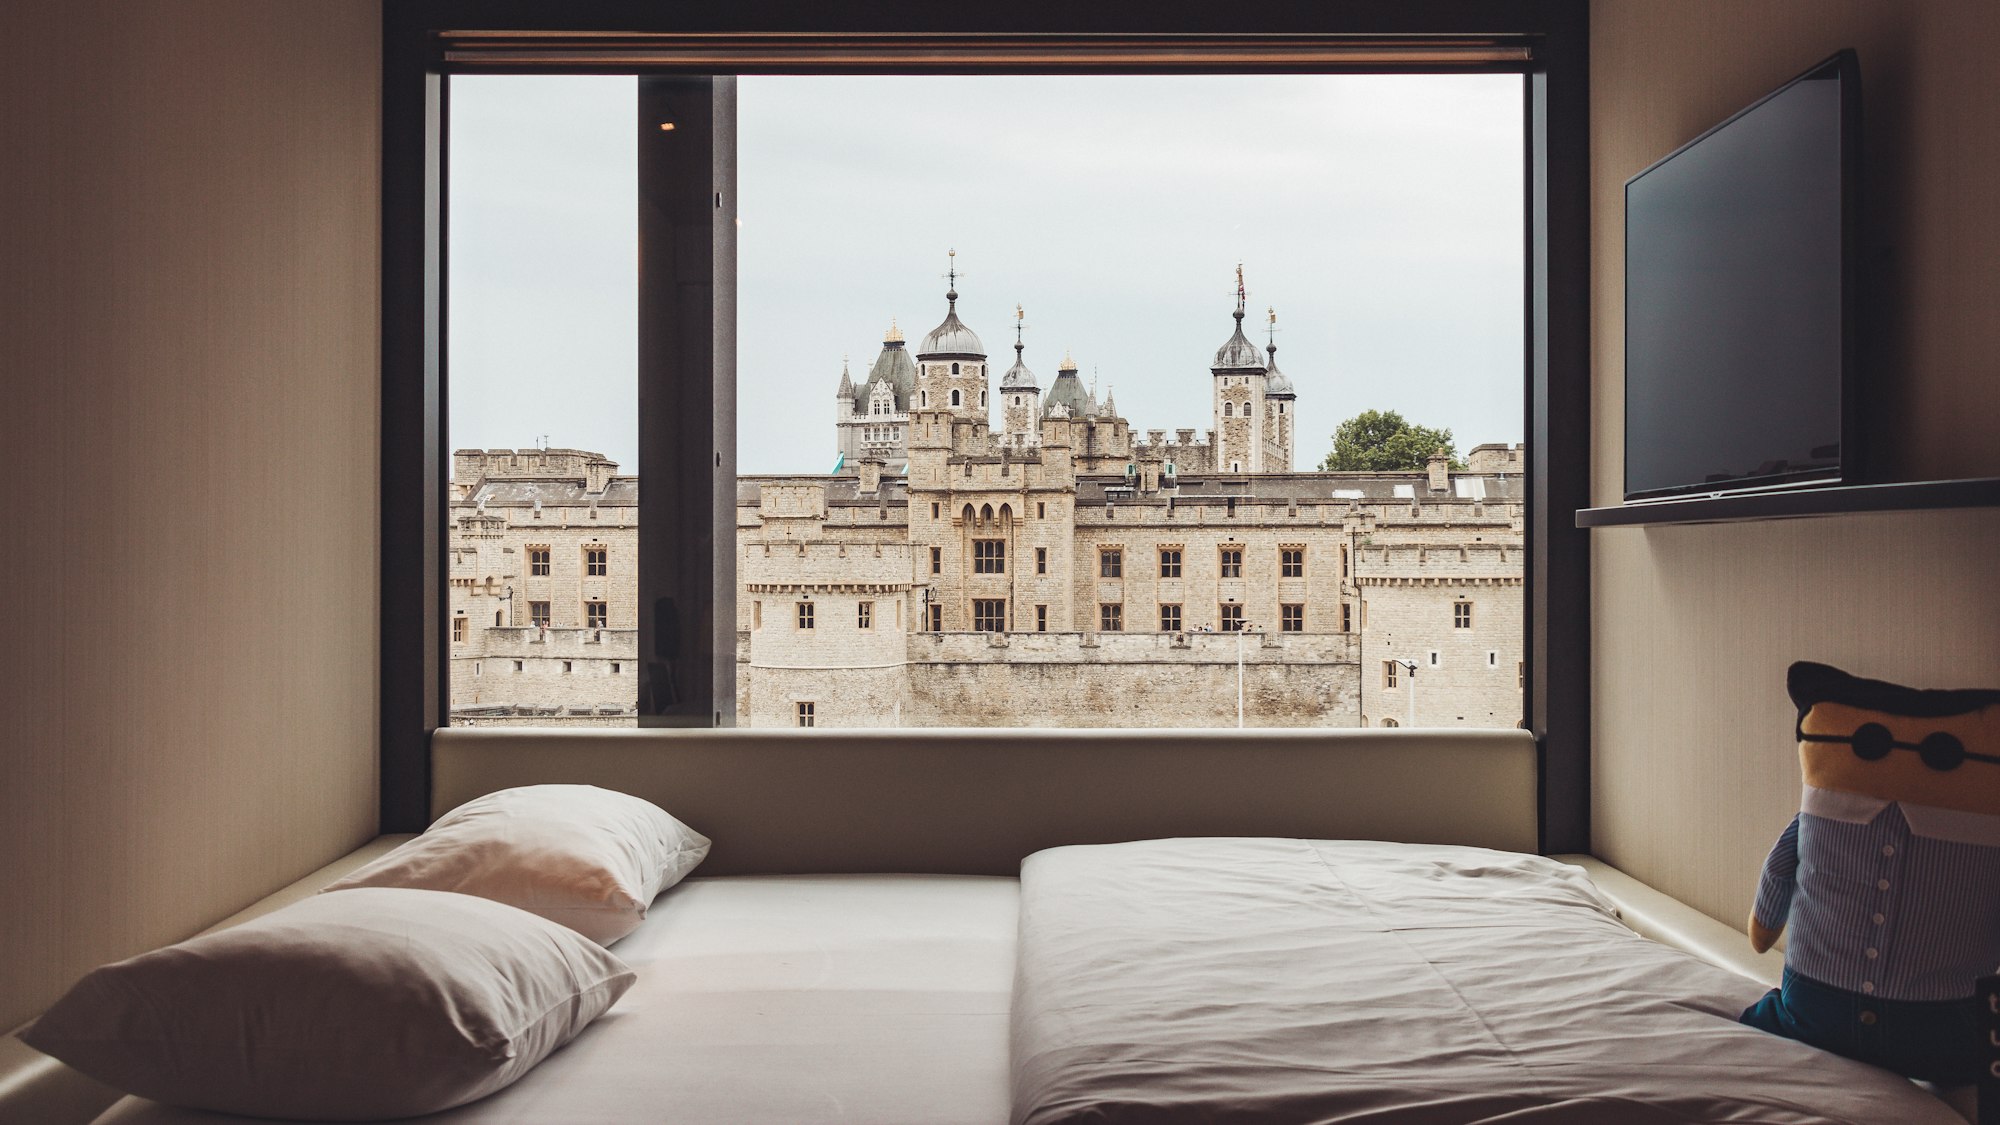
[[365, 1005], [593, 859]]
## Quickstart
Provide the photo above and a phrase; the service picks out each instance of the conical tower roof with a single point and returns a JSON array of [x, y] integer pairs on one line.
[[1067, 392]]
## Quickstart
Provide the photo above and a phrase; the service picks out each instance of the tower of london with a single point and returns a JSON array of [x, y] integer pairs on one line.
[[1063, 568]]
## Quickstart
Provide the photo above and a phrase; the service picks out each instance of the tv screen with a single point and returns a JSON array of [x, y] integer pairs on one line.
[[1738, 282]]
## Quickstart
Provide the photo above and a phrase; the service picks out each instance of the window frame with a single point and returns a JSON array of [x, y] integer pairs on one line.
[[690, 361], [1292, 617], [1110, 617], [989, 556], [1111, 563], [989, 615], [1178, 619], [1229, 562], [1175, 562]]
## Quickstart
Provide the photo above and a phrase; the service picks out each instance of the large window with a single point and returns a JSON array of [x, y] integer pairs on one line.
[[899, 505]]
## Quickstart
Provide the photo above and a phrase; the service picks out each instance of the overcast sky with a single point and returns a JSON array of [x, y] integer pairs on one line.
[[1380, 215]]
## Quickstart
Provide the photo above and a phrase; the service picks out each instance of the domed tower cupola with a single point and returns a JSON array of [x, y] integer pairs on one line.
[[1020, 395], [951, 362], [1239, 384], [1280, 405]]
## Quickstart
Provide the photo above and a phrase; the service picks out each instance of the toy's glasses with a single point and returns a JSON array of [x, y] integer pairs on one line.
[[1871, 742]]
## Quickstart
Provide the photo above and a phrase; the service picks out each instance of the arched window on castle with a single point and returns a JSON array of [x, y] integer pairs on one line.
[[954, 393]]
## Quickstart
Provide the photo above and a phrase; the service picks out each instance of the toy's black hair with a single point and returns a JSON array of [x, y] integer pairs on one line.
[[1811, 683]]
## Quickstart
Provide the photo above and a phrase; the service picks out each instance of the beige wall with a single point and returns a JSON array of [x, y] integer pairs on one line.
[[1693, 627], [188, 343]]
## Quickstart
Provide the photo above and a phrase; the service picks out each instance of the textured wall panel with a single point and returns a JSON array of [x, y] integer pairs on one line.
[[188, 336], [1693, 771]]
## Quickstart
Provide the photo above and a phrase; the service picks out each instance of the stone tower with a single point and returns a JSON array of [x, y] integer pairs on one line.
[[1280, 407], [1239, 399], [951, 364], [1020, 398]]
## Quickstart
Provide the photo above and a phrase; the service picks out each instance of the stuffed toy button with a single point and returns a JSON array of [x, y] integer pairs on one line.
[[1888, 877]]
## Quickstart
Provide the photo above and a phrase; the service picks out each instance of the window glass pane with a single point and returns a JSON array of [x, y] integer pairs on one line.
[[542, 386], [1215, 405]]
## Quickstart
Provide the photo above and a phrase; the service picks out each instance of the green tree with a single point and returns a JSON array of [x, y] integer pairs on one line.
[[1375, 441]]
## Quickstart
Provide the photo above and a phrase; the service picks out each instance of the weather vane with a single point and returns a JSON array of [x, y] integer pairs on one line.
[[1019, 323]]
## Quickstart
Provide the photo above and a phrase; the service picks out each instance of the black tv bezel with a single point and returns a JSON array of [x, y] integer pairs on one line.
[[1845, 65]]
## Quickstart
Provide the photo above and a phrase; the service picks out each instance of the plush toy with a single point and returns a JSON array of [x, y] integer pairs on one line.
[[1889, 876]]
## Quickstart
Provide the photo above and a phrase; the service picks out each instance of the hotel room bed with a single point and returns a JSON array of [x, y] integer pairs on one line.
[[760, 999], [1294, 981], [1248, 979]]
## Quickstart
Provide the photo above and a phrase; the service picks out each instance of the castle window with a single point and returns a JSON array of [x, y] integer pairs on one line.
[[954, 396], [1170, 618], [1391, 723], [1292, 618], [1041, 619], [1291, 562], [1170, 566], [538, 561], [517, 666], [1229, 410], [757, 614], [614, 667], [864, 615], [458, 630], [805, 615], [1346, 617], [937, 560], [937, 619], [982, 398], [1461, 615], [496, 619], [1343, 562], [936, 511], [1041, 509], [538, 614], [924, 398], [955, 400], [989, 556], [804, 711], [1041, 560], [1111, 562], [594, 615], [1232, 562], [594, 563], [475, 667], [566, 668], [1111, 617], [989, 615], [1390, 671], [1232, 617]]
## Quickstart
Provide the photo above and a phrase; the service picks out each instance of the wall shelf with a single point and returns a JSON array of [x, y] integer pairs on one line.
[[1982, 492]]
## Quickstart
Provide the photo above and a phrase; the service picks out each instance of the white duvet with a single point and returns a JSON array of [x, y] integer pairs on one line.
[[1297, 981]]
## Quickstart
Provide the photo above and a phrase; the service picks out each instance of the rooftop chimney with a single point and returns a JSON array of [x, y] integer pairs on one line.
[[1440, 469]]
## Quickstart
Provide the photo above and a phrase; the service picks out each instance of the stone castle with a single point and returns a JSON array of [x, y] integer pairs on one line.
[[1062, 571]]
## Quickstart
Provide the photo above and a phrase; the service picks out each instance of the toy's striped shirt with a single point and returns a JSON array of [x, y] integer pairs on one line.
[[1889, 900]]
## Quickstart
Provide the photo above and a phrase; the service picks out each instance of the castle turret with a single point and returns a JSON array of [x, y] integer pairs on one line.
[[1020, 397], [1066, 398], [1239, 399], [1280, 406], [951, 364]]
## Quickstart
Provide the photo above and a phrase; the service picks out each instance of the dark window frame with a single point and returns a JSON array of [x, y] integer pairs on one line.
[[1111, 617], [1229, 561], [1173, 609], [989, 615], [1170, 567], [989, 556], [1292, 617], [1111, 562], [681, 373]]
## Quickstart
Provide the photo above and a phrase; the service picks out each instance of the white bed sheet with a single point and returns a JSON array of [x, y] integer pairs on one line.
[[830, 998], [1302, 981]]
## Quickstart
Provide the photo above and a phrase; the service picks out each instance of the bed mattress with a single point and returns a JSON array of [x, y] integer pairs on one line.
[[1299, 981], [853, 998]]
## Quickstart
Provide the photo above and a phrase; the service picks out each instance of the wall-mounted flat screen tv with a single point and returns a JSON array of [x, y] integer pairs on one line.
[[1739, 298]]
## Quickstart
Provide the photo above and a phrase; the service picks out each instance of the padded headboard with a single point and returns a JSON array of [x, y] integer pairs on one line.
[[975, 802]]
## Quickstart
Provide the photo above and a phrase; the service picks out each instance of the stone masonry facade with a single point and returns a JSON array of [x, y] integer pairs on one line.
[[1063, 572]]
